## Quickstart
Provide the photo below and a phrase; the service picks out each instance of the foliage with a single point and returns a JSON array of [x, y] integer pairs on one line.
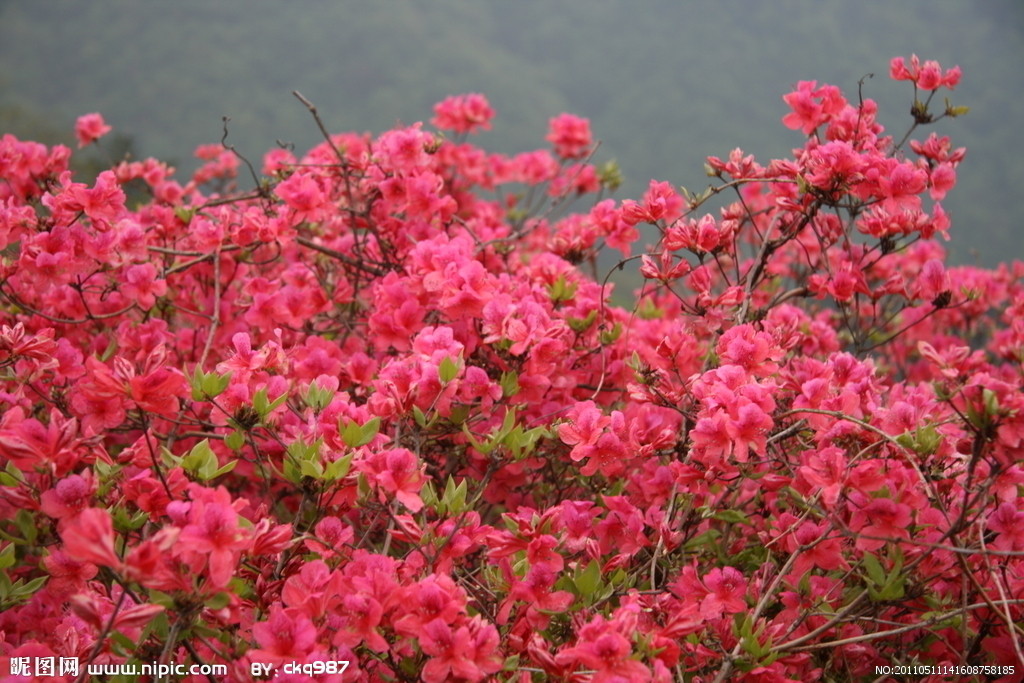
[[373, 409]]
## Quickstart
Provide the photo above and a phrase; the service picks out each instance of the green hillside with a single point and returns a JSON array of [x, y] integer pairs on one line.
[[664, 83]]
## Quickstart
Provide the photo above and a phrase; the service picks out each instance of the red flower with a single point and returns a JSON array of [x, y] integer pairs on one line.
[[89, 537], [286, 636], [463, 113], [881, 519], [397, 472], [607, 652], [90, 127], [1008, 522], [212, 530], [466, 652], [570, 135], [726, 593]]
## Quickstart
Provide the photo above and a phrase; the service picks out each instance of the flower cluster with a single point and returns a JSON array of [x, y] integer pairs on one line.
[[376, 409]]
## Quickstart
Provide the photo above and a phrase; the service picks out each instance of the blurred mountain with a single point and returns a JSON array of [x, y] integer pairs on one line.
[[664, 83]]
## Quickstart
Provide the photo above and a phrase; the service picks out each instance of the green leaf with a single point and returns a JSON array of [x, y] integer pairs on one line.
[[708, 538], [610, 175], [804, 586], [311, 468], [991, 402], [7, 557], [17, 474], [588, 580], [300, 450], [125, 644], [459, 414], [581, 325], [160, 598], [731, 516], [108, 352], [953, 112], [220, 471], [28, 589], [474, 442], [195, 381], [894, 588], [453, 501], [507, 423], [457, 504], [612, 335], [291, 471], [235, 440], [906, 439], [26, 524], [262, 404], [928, 440], [277, 402], [448, 370], [214, 385], [201, 458], [338, 469], [428, 494], [419, 417], [874, 569], [649, 310], [241, 588], [318, 397], [355, 435], [158, 626], [509, 384], [561, 290]]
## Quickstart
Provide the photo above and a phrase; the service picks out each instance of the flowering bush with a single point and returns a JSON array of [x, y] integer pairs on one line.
[[374, 409]]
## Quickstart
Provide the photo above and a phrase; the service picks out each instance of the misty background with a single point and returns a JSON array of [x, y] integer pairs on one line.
[[664, 83]]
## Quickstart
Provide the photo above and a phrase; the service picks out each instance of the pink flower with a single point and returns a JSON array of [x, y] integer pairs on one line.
[[660, 203], [607, 652], [898, 69], [881, 519], [815, 548], [68, 575], [434, 598], [584, 426], [142, 285], [825, 470], [89, 537], [89, 128], [927, 76], [69, 497], [570, 135], [807, 114], [752, 350], [726, 593], [29, 443], [311, 590], [942, 179], [397, 472], [302, 193], [1008, 522], [286, 635], [463, 113], [212, 530], [749, 428]]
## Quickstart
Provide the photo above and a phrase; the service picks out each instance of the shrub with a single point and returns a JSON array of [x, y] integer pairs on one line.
[[376, 409]]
